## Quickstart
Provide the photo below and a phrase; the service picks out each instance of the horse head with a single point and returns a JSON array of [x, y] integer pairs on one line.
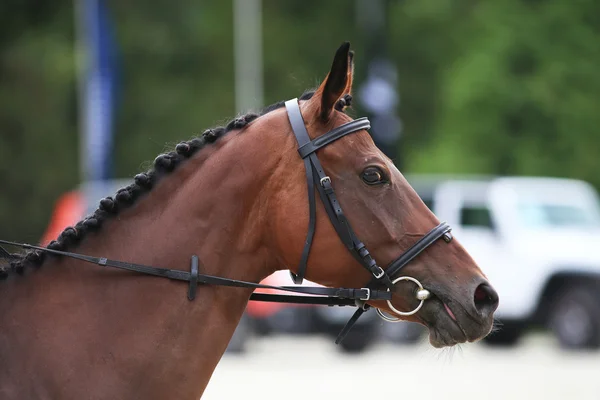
[[382, 211]]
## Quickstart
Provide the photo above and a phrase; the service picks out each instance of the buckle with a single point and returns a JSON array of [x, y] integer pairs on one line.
[[447, 236], [324, 180], [368, 297], [379, 274]]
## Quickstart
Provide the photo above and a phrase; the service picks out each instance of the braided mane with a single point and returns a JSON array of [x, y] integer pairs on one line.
[[143, 183]]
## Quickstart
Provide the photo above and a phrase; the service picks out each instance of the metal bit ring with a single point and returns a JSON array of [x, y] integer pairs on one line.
[[422, 295]]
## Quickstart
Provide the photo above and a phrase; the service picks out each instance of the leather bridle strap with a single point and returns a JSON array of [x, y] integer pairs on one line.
[[333, 135], [194, 278], [440, 231], [302, 137], [315, 176]]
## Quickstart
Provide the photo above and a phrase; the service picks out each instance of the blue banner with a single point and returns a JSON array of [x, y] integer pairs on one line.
[[99, 89]]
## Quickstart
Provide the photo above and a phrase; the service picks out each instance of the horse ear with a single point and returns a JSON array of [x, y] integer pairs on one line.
[[337, 83], [350, 73]]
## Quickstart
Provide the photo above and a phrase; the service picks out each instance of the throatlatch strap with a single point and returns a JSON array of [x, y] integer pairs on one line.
[[297, 123]]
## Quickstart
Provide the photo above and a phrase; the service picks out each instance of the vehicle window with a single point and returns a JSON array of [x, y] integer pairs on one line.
[[538, 214], [476, 216]]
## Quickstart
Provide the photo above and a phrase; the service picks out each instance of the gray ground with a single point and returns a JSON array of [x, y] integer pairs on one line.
[[310, 368]]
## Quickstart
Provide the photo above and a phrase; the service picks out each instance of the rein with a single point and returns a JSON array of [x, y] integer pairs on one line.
[[315, 177], [329, 296]]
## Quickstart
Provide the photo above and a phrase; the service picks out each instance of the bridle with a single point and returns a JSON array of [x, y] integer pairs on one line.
[[315, 177]]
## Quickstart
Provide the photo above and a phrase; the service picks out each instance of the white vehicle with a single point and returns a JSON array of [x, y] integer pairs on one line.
[[538, 241]]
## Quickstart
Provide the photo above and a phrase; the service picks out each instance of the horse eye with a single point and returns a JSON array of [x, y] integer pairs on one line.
[[373, 176]]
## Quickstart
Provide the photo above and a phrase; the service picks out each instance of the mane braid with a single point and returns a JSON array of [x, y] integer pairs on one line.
[[143, 183]]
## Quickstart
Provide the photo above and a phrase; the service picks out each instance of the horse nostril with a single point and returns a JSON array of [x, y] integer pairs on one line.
[[486, 299]]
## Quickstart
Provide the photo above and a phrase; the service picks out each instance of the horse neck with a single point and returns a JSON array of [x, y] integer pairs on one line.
[[148, 325]]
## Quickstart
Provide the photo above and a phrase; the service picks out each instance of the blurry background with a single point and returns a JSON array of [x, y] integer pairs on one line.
[[93, 90]]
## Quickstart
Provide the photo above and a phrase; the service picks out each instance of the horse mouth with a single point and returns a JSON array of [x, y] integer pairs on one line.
[[445, 330], [451, 317]]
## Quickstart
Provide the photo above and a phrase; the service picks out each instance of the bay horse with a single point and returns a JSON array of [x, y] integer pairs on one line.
[[236, 197]]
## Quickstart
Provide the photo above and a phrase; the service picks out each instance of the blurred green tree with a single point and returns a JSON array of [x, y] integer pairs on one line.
[[38, 135], [487, 87], [521, 93]]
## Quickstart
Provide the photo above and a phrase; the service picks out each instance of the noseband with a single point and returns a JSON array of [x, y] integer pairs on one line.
[[315, 177]]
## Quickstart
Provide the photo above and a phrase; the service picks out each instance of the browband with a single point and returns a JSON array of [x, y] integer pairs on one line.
[[333, 135]]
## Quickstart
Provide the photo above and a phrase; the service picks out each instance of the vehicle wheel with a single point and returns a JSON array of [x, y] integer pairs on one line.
[[261, 327], [506, 334], [358, 339], [291, 320], [575, 318]]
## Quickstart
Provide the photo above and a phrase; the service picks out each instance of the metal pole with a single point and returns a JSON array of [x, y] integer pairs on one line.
[[378, 95], [81, 65], [247, 25]]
